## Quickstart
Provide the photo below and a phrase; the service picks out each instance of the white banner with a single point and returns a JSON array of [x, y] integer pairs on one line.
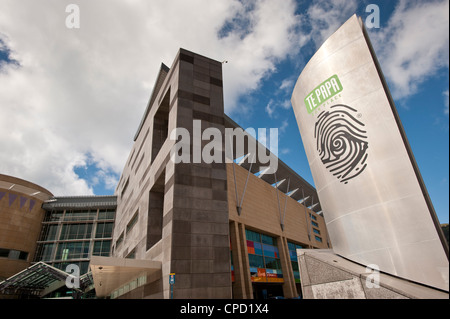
[[374, 207]]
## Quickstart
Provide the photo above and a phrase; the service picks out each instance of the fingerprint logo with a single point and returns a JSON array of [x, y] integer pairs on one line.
[[341, 142]]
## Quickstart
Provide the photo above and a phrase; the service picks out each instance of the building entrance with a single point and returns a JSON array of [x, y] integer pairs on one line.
[[267, 291]]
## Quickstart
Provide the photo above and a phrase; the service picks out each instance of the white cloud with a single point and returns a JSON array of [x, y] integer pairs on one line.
[[78, 95], [83, 91], [270, 108], [414, 44], [284, 126], [325, 17], [287, 85], [286, 104]]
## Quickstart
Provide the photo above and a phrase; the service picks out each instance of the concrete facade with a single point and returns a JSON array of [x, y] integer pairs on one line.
[[184, 216], [179, 211], [260, 212]]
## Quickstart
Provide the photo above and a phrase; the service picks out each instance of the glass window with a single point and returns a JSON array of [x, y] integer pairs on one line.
[[294, 261], [14, 254], [53, 216], [79, 215], [314, 224], [45, 252], [316, 231], [132, 254], [263, 256], [4, 252], [104, 230], [270, 251], [72, 250], [318, 239], [23, 255], [272, 263], [50, 232], [268, 240], [101, 248], [106, 214], [133, 221], [119, 240], [76, 231], [253, 236], [256, 261]]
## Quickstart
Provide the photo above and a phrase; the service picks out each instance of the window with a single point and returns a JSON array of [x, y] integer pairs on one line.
[[104, 230], [318, 239], [132, 254], [4, 252], [294, 261], [316, 231], [106, 214], [133, 221], [53, 216], [314, 224], [160, 126], [155, 211], [264, 258], [72, 250], [256, 261], [13, 254], [45, 252], [23, 255], [124, 188], [119, 240], [79, 215], [313, 217], [253, 236], [272, 263], [76, 231], [50, 231], [101, 248]]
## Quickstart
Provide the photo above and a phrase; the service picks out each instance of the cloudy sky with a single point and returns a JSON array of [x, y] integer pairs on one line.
[[71, 99]]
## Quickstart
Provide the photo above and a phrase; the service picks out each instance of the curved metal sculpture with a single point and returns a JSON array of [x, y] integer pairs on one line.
[[373, 198]]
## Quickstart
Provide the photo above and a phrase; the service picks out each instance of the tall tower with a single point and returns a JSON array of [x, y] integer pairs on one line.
[[177, 214]]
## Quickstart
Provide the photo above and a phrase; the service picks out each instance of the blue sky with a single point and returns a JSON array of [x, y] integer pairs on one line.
[[71, 99]]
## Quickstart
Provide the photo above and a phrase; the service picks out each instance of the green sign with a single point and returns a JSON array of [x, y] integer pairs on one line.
[[323, 92]]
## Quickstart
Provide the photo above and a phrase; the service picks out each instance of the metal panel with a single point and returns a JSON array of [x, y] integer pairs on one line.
[[371, 195]]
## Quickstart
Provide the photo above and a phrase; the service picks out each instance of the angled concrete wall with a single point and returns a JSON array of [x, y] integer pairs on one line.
[[325, 275]]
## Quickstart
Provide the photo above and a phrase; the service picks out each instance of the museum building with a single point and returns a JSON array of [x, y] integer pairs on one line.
[[222, 229]]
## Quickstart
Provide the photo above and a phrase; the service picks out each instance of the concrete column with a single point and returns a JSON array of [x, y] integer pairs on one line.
[[245, 262], [289, 289], [239, 287]]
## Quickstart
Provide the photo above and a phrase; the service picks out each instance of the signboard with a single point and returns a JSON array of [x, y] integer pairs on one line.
[[374, 201]]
